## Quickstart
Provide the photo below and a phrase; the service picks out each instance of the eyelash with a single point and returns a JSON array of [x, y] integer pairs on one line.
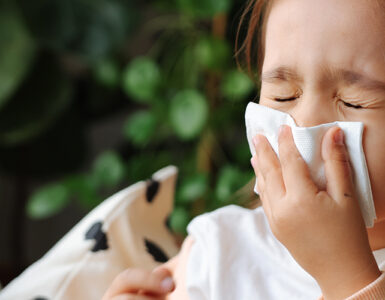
[[293, 98]]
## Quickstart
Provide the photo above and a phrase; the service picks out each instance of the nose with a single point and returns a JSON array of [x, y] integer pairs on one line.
[[312, 111]]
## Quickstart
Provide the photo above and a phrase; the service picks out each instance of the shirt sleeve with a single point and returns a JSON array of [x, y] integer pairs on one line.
[[373, 291]]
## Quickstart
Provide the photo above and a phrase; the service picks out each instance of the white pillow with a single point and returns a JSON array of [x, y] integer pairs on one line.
[[128, 229]]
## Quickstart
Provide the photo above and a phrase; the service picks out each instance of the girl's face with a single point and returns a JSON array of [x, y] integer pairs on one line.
[[327, 59]]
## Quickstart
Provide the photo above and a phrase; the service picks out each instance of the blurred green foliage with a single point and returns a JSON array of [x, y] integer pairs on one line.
[[67, 64]]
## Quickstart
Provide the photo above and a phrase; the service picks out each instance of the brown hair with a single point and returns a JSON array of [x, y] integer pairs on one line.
[[249, 55], [252, 48]]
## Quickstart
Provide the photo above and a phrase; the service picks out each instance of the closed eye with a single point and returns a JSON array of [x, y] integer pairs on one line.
[[293, 98], [351, 105], [285, 99]]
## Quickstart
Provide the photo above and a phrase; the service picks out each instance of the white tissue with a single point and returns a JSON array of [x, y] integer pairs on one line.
[[264, 120]]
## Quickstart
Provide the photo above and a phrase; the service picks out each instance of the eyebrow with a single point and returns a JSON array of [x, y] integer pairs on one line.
[[281, 73], [349, 77]]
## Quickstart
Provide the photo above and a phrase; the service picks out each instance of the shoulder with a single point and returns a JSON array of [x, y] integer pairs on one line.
[[203, 234], [231, 211], [231, 219], [242, 232]]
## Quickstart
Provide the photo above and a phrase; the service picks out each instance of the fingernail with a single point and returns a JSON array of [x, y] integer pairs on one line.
[[167, 284], [339, 137]]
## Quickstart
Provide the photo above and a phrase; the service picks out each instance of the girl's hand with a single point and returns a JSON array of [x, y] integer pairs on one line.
[[323, 230], [138, 284]]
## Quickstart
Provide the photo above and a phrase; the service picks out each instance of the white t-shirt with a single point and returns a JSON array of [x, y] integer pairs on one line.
[[236, 256]]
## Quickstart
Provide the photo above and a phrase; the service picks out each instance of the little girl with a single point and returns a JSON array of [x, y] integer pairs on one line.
[[319, 61]]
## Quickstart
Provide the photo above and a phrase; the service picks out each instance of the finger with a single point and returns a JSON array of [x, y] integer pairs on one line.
[[339, 182], [165, 275], [295, 171], [133, 280], [269, 168], [135, 297], [162, 271]]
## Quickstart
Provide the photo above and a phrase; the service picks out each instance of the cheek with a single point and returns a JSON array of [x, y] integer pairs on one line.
[[266, 102], [263, 101], [261, 93], [374, 143]]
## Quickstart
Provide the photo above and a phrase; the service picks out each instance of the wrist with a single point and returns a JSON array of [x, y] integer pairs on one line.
[[341, 285]]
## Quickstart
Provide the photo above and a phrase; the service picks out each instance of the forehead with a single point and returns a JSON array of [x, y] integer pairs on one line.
[[342, 33]]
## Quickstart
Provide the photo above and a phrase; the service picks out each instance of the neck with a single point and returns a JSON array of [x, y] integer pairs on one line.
[[376, 235]]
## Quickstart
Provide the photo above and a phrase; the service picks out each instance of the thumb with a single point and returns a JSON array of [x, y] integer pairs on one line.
[[164, 275], [338, 172]]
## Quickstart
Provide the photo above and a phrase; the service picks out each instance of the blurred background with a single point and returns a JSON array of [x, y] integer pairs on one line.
[[96, 95]]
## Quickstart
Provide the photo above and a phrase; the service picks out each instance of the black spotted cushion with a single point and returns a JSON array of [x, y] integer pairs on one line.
[[128, 229]]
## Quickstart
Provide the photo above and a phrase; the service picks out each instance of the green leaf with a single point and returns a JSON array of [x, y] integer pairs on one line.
[[236, 85], [179, 220], [108, 170], [17, 52], [84, 189], [188, 113], [48, 201], [107, 72], [141, 79], [213, 53], [192, 187], [140, 127], [204, 8], [230, 179]]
